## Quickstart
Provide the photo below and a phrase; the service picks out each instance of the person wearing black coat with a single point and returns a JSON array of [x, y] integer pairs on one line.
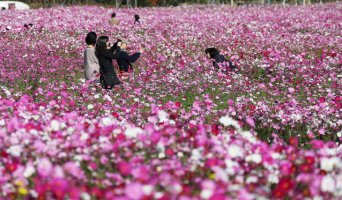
[[124, 60], [106, 55], [136, 19], [213, 53]]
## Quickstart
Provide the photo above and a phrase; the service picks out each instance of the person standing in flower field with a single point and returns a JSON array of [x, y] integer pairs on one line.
[[114, 20], [124, 60], [106, 54], [91, 62], [220, 62], [136, 19]]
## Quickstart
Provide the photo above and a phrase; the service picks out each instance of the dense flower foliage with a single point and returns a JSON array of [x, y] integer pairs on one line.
[[176, 128]]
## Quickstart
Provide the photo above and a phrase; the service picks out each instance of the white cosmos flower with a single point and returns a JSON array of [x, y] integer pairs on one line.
[[163, 116], [338, 190], [161, 155], [15, 150], [133, 132], [221, 174], [85, 196], [248, 136], [196, 155], [339, 134], [256, 158], [273, 178], [108, 98], [55, 125], [90, 106], [328, 164], [206, 193], [328, 184], [251, 179], [235, 151], [84, 136], [29, 170], [228, 121], [147, 189], [7, 92], [107, 121]]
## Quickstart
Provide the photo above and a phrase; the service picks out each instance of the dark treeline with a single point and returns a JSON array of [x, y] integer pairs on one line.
[[142, 3]]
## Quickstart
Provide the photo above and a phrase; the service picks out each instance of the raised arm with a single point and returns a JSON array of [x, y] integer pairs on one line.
[[114, 47], [131, 58]]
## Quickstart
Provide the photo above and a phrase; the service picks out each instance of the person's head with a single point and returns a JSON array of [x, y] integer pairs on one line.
[[113, 15], [136, 17], [211, 52], [124, 43], [91, 38], [102, 45]]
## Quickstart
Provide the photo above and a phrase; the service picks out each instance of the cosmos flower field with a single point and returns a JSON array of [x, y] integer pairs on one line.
[[176, 128]]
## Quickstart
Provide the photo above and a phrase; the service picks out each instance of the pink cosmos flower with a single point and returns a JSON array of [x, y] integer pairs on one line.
[[250, 122], [44, 167], [124, 168], [134, 191]]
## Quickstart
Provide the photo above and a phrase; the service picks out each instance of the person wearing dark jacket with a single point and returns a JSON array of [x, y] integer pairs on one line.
[[136, 19], [106, 54], [213, 53], [124, 60]]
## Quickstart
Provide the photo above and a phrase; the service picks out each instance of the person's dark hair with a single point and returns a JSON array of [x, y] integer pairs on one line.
[[116, 44], [101, 45], [113, 14], [136, 17], [212, 52], [91, 38], [28, 25]]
